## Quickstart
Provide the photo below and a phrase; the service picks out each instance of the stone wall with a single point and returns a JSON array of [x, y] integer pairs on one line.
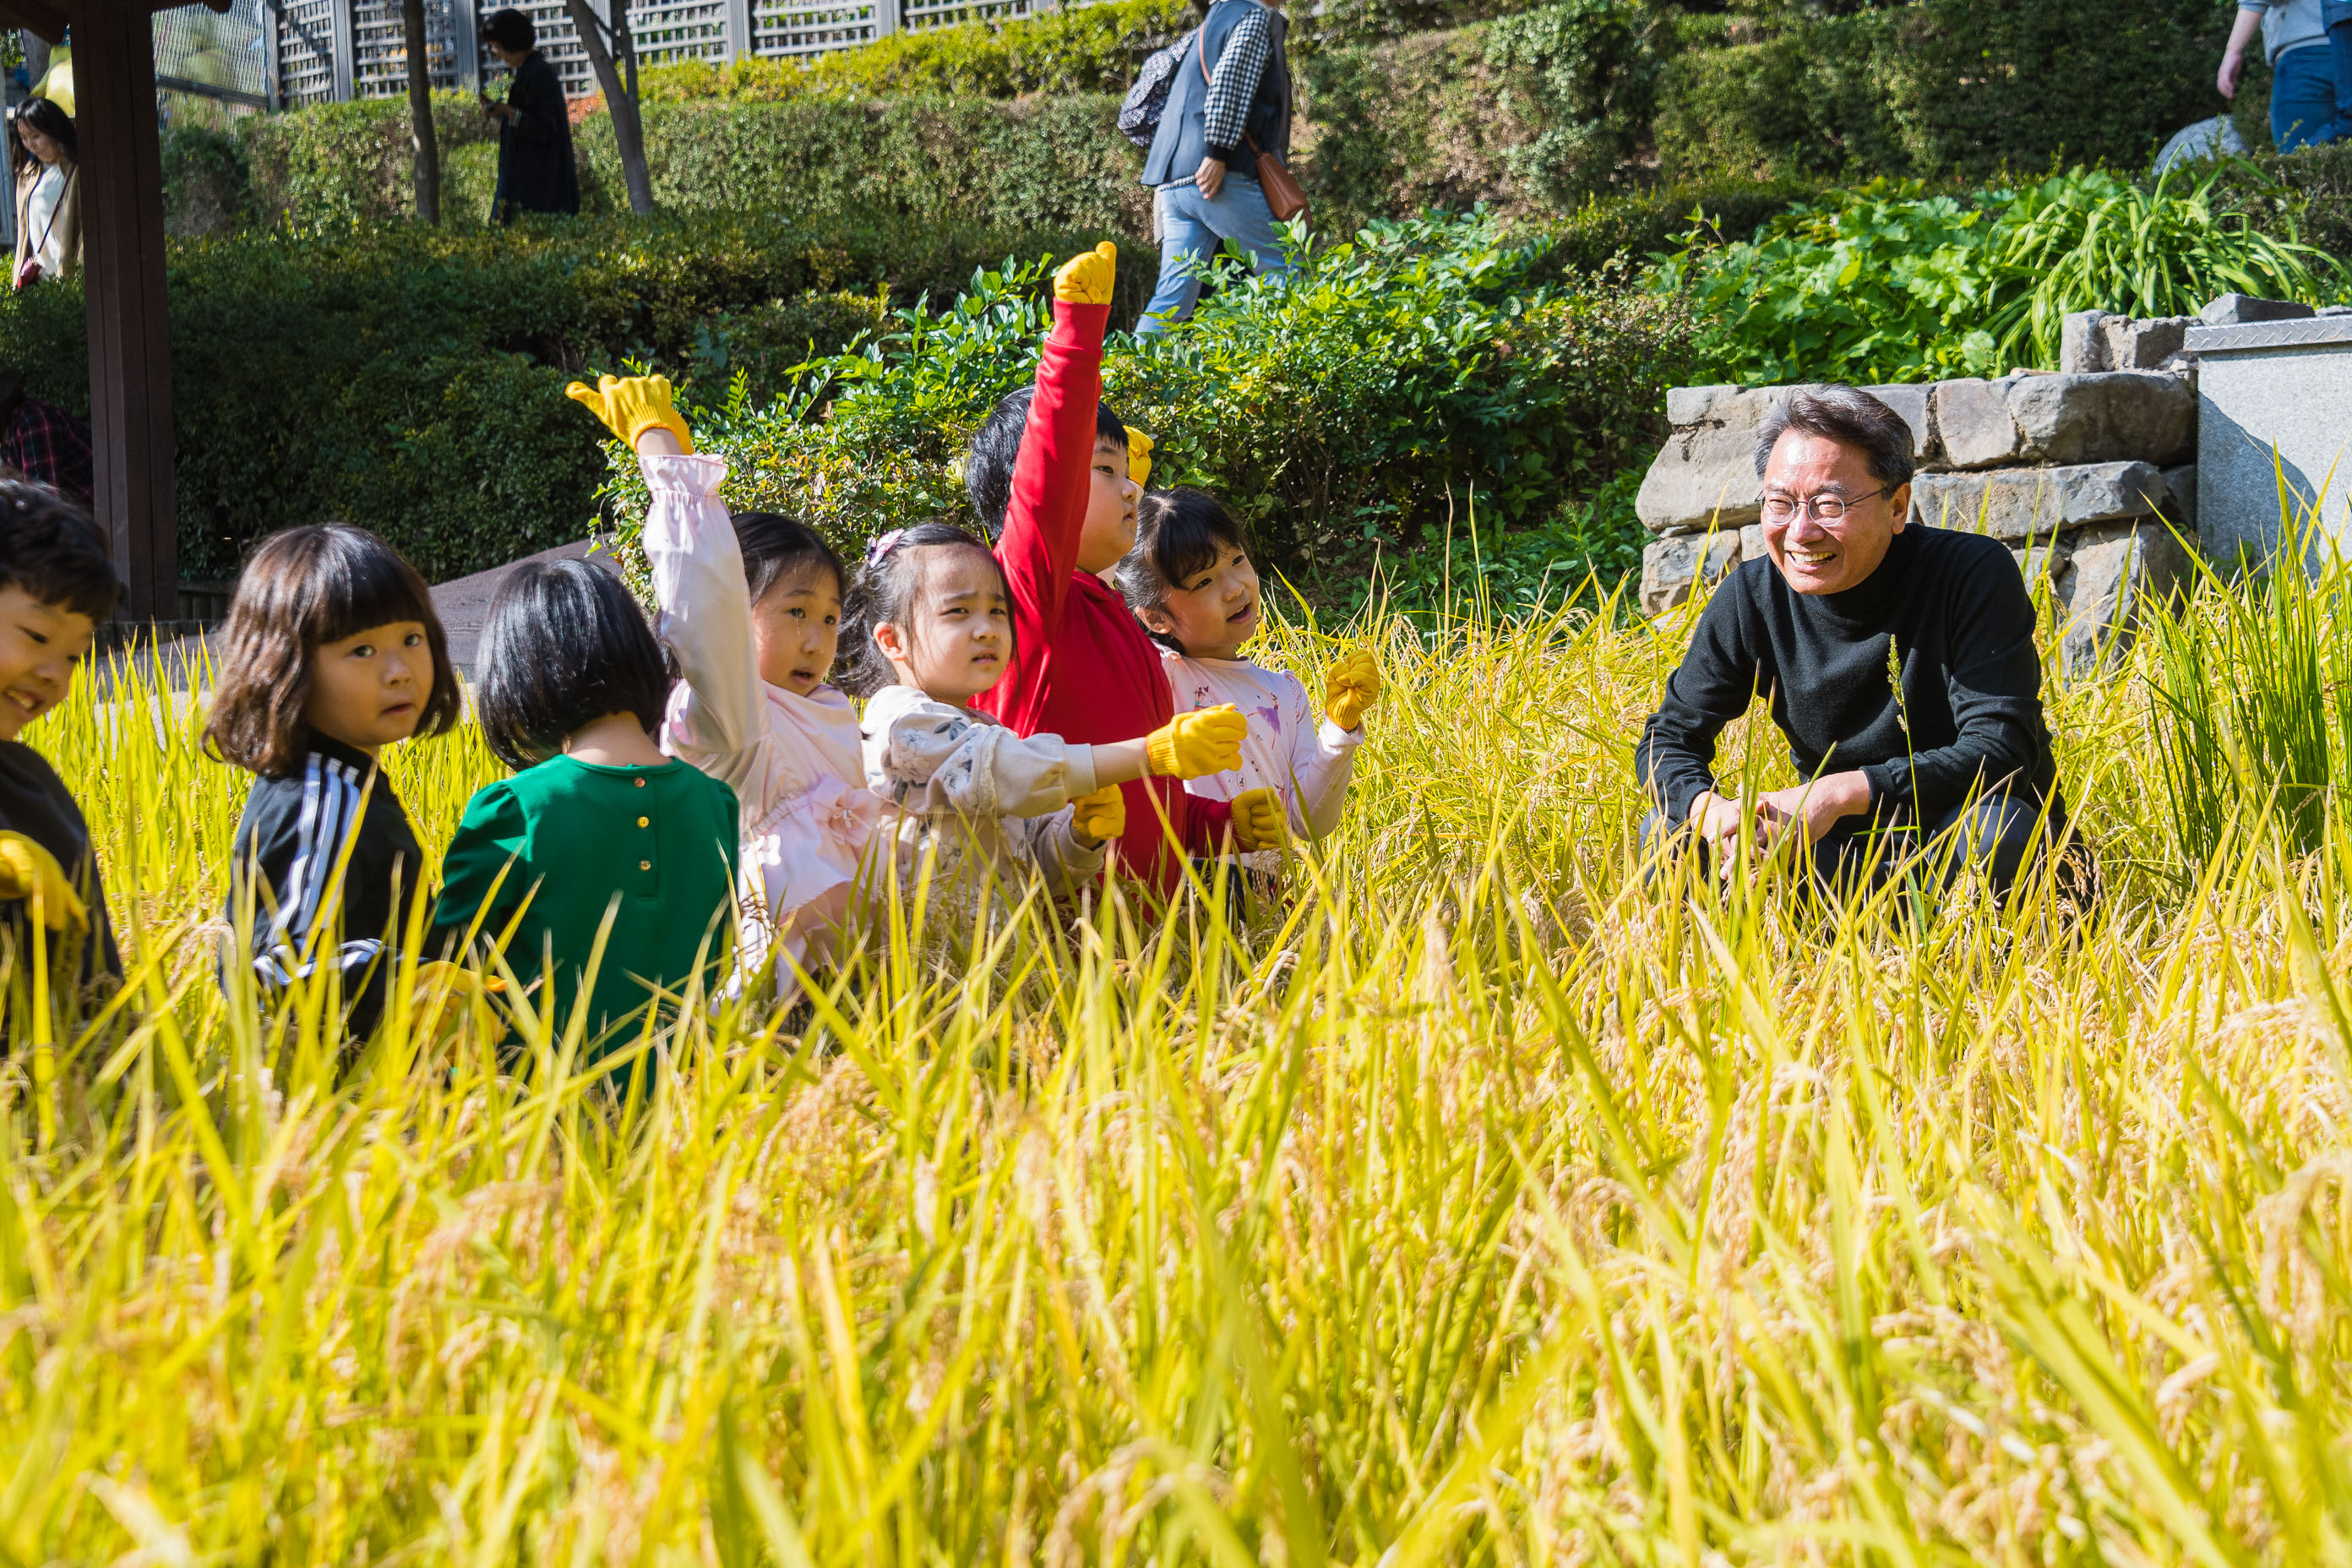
[[2085, 474]]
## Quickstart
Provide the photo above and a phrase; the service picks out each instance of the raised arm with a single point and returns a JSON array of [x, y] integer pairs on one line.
[[1039, 544], [704, 608]]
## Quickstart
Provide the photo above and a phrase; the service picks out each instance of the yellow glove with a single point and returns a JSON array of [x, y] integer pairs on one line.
[[1190, 745], [440, 985], [1101, 817], [1086, 278], [1138, 456], [1351, 685], [1259, 821], [30, 872], [629, 408]]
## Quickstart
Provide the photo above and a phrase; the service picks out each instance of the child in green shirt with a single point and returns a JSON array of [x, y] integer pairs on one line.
[[596, 823]]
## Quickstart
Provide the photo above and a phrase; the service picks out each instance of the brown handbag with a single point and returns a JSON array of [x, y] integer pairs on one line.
[[1283, 197]]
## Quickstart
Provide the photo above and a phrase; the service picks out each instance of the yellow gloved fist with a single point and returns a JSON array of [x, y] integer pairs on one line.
[[1086, 280], [29, 872], [1259, 821], [1351, 685], [631, 406], [1138, 456], [443, 992], [1191, 745], [1101, 817]]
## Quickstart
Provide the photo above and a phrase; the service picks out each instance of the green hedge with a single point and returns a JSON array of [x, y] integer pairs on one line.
[[1042, 163], [1089, 49], [411, 381]]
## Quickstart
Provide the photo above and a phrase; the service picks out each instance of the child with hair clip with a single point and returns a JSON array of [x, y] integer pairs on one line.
[[933, 631], [1050, 474], [331, 653], [1190, 581], [751, 605], [596, 820]]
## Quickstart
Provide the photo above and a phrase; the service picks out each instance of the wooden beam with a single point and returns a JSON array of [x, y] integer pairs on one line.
[[130, 327], [45, 21]]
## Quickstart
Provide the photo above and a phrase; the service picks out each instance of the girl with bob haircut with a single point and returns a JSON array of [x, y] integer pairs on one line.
[[931, 630], [331, 653], [596, 827], [751, 608], [1190, 581]]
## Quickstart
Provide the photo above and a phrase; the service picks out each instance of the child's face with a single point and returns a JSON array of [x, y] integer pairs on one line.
[[370, 690], [1108, 533], [39, 645], [962, 630], [797, 626], [1214, 611]]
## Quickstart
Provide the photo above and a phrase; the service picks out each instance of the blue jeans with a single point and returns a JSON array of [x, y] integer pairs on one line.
[[2303, 97], [2337, 15], [1192, 228]]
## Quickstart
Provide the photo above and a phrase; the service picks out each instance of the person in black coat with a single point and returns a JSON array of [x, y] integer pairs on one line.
[[537, 173]]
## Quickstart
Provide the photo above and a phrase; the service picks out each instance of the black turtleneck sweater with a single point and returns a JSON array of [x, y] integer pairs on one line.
[[1968, 716]]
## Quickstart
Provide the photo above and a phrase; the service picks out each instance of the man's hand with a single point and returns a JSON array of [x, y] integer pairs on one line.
[[1086, 279], [1209, 176], [1813, 808], [2232, 65], [1719, 821]]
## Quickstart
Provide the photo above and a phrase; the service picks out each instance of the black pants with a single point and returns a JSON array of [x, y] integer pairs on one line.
[[1999, 834]]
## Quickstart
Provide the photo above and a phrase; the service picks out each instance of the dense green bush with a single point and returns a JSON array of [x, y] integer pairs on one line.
[[411, 381], [1887, 283], [1045, 162], [1085, 48], [1407, 377]]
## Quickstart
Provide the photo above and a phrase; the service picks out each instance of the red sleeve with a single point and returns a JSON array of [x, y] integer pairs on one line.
[[1039, 545], [1204, 830]]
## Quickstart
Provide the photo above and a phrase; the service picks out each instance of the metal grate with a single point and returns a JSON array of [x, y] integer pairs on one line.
[[380, 47], [920, 17], [306, 51], [675, 31], [787, 31]]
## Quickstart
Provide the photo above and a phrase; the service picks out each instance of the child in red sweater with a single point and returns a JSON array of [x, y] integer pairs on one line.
[[1048, 477]]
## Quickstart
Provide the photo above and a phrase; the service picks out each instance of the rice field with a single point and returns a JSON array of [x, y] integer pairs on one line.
[[1488, 1203]]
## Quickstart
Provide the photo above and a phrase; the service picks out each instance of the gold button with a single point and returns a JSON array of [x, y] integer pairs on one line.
[[644, 822], [641, 783], [645, 865]]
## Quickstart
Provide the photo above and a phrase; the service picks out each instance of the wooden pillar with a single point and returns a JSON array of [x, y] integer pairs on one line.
[[130, 327]]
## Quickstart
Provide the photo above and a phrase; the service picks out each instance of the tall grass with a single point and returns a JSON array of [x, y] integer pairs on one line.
[[1486, 1203]]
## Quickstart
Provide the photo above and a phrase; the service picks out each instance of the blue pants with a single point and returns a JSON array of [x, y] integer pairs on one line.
[[2304, 100], [1192, 228], [2337, 15]]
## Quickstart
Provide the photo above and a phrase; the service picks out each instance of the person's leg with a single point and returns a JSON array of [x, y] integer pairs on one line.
[[1240, 214], [1186, 241], [2337, 15], [1856, 857], [2303, 97], [1999, 834]]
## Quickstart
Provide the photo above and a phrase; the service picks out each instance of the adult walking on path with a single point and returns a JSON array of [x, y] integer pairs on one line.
[[537, 173], [1229, 101], [2304, 89], [1956, 755], [45, 159]]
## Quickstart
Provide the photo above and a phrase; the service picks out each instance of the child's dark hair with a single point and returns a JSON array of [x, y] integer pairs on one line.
[[562, 645], [988, 463], [1179, 533], [51, 549], [318, 584], [776, 547], [886, 592]]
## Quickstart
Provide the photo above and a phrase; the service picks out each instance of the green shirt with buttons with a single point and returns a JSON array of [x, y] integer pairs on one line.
[[656, 845]]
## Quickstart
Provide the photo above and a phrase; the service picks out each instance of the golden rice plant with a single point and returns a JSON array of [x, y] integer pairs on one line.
[[1493, 1200]]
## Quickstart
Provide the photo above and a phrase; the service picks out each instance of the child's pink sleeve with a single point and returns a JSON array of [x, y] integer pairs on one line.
[[1039, 546]]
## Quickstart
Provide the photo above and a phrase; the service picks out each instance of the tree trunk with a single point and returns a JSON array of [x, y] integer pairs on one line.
[[420, 140], [619, 97]]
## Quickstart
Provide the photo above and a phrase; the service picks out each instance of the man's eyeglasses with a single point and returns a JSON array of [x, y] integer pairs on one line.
[[1825, 507]]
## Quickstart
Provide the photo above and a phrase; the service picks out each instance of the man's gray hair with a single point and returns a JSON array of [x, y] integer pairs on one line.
[[1851, 417]]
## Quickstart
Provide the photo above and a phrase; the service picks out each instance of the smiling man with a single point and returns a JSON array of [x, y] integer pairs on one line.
[[1957, 750]]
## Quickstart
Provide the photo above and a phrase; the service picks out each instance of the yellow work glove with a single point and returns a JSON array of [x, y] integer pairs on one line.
[[1191, 745], [1259, 821], [631, 407], [1138, 456], [1351, 685], [1101, 817], [1086, 278], [29, 872], [445, 992]]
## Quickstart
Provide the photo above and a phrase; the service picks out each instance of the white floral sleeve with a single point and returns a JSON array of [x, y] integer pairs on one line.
[[934, 759]]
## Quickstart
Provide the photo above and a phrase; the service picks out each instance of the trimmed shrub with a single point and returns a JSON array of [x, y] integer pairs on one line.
[[411, 380], [1086, 49]]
